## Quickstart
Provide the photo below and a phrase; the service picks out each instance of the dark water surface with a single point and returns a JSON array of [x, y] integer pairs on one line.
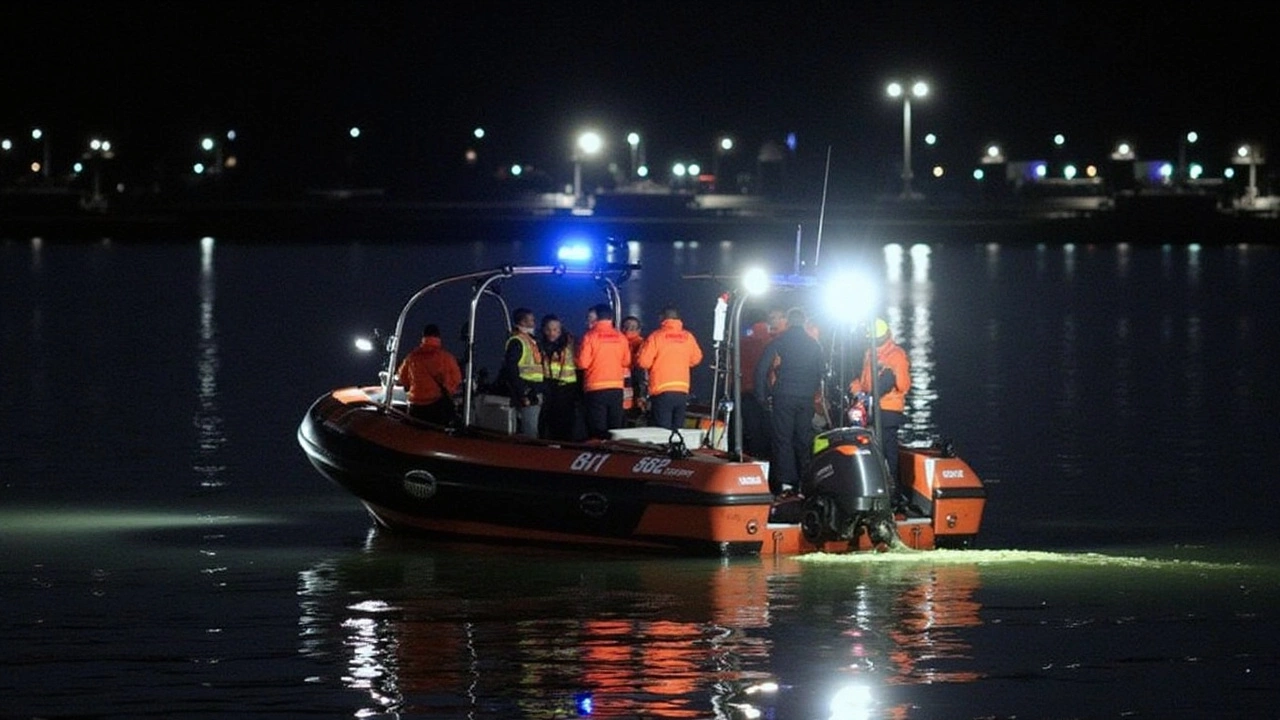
[[168, 552]]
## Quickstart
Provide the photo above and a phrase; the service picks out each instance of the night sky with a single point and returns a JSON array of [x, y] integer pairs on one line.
[[418, 76]]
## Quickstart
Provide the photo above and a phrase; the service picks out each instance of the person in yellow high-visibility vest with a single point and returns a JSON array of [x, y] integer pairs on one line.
[[522, 374], [561, 406]]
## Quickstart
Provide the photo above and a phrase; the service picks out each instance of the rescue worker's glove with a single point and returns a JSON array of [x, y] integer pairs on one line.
[[886, 380]]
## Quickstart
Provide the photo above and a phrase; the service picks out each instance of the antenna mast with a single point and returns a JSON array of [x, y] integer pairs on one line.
[[822, 211]]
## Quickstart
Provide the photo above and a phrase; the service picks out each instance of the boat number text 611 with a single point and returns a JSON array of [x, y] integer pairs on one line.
[[589, 462]]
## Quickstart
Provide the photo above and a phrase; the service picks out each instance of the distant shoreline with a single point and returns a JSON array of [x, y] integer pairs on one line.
[[339, 218]]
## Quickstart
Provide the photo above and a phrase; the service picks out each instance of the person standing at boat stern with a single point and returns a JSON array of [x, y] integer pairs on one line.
[[753, 415], [560, 407], [605, 361], [431, 376], [795, 358], [669, 353], [635, 390], [522, 373], [893, 380]]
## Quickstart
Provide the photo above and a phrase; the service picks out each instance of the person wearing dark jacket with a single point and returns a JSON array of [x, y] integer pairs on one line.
[[795, 358], [560, 407]]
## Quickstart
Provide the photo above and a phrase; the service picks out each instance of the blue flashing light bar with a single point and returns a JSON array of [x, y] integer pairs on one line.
[[575, 253]]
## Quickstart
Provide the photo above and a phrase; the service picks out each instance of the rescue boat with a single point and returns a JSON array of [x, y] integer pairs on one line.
[[689, 491]]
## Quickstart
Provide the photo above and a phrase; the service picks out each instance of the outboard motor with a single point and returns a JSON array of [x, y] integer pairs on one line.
[[847, 489]]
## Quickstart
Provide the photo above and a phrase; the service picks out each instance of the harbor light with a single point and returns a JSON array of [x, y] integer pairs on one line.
[[896, 90], [1124, 150], [633, 140], [589, 143]]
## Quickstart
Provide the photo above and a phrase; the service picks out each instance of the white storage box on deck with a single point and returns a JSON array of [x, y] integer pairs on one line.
[[494, 412], [657, 435]]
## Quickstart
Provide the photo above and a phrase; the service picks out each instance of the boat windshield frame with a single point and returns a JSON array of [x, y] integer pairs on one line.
[[607, 275], [843, 348]]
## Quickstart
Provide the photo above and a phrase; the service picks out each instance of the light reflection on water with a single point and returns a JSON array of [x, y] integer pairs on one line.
[[166, 546], [208, 422], [428, 630], [465, 632]]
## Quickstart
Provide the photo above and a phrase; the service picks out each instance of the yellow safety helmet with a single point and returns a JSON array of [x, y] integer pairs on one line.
[[882, 330]]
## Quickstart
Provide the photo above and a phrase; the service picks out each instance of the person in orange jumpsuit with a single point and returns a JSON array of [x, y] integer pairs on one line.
[[892, 381], [669, 353], [605, 360], [635, 391], [431, 376]]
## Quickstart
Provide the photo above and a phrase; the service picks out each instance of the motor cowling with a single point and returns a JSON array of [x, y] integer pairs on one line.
[[847, 489]]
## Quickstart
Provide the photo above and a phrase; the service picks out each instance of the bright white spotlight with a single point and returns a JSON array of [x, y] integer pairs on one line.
[[853, 702], [755, 281], [850, 295], [364, 344]]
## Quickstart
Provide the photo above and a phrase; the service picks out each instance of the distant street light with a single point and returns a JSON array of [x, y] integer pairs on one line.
[[208, 144], [589, 143], [633, 139], [723, 146], [896, 90], [1190, 138], [1250, 155], [46, 162], [1124, 150], [99, 150]]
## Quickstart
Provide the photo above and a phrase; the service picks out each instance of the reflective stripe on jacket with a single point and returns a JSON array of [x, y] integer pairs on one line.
[[668, 354], [530, 366], [559, 366], [604, 357]]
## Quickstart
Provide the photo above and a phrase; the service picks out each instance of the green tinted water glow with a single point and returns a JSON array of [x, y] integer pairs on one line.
[[1010, 557]]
